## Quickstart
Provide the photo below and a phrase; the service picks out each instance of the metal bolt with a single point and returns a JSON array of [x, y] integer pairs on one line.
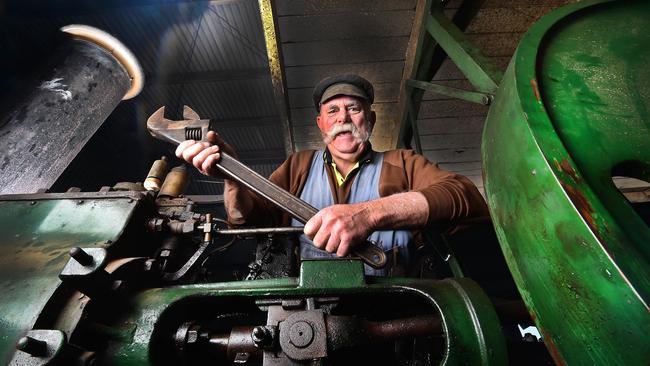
[[260, 336], [117, 285], [81, 256], [165, 253], [148, 265], [192, 336], [80, 202], [301, 334], [32, 203], [87, 358], [32, 346]]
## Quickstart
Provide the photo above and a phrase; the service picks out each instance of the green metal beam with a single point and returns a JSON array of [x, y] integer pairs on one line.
[[470, 60], [470, 96], [423, 59]]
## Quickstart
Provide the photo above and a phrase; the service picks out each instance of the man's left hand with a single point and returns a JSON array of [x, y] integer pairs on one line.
[[337, 228]]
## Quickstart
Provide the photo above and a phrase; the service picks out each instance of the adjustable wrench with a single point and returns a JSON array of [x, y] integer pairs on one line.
[[195, 128]]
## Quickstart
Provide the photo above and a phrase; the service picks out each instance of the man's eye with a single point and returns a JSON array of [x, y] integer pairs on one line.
[[354, 109]]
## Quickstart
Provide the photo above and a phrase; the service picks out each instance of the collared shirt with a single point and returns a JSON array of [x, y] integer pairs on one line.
[[338, 176]]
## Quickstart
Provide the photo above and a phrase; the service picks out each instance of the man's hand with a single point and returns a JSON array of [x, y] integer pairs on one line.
[[204, 155], [337, 228]]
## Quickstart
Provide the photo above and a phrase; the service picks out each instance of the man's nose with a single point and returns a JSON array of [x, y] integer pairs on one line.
[[343, 117]]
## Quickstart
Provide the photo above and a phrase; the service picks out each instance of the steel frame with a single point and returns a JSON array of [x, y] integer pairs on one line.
[[433, 38]]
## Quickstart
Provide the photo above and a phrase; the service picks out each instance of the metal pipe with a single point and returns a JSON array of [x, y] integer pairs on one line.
[[347, 331], [156, 175], [175, 182], [45, 131], [260, 231]]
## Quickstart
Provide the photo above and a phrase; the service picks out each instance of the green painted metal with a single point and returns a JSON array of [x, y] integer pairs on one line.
[[469, 320], [34, 243], [318, 274], [468, 95], [479, 70], [573, 108], [423, 59]]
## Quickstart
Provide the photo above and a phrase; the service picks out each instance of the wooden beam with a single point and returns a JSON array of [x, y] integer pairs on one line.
[[274, 53]]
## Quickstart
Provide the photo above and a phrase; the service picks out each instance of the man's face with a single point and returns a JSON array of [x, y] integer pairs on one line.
[[346, 124]]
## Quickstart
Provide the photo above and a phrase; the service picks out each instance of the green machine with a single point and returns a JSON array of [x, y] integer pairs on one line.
[[572, 111], [125, 276], [130, 292]]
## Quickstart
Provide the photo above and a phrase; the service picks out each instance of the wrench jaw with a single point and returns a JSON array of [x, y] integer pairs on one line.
[[191, 127]]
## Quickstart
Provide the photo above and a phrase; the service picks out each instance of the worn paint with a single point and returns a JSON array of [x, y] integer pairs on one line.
[[35, 237], [575, 100], [470, 324], [533, 83]]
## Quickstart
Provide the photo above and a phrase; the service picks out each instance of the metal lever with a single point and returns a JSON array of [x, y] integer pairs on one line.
[[176, 133]]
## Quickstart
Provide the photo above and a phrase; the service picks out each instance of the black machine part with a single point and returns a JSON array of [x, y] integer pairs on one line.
[[295, 335], [47, 129]]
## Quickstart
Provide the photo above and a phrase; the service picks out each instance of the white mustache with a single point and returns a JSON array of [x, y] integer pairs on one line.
[[362, 136]]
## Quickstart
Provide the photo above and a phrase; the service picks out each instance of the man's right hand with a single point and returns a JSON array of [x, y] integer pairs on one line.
[[204, 155]]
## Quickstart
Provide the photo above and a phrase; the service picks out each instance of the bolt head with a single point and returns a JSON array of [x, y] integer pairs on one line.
[[301, 334], [192, 336]]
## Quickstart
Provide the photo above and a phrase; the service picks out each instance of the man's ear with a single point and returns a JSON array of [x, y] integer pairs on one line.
[[373, 119], [319, 122]]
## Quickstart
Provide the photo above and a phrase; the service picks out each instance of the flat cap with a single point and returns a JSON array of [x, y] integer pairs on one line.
[[345, 84]]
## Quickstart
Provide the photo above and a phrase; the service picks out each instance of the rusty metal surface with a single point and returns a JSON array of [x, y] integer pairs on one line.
[[575, 103]]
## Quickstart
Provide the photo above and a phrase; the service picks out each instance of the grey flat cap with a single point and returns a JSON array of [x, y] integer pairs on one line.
[[345, 84]]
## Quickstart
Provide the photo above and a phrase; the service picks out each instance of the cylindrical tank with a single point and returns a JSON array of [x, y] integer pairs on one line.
[[44, 132], [572, 110]]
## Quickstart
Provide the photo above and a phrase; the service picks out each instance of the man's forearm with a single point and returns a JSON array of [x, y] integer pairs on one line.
[[336, 228], [398, 211]]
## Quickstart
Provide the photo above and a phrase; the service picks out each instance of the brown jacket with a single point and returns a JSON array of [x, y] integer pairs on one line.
[[451, 197]]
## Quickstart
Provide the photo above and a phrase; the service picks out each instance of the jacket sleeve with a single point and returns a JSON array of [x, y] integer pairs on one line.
[[451, 197]]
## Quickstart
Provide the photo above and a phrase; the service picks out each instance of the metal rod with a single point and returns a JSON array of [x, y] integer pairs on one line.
[[64, 110], [260, 231], [468, 95]]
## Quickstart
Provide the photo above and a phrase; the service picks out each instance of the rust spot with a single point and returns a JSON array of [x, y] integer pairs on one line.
[[552, 348], [566, 167], [533, 83], [584, 207]]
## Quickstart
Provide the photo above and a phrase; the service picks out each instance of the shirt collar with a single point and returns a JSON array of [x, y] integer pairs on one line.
[[367, 156]]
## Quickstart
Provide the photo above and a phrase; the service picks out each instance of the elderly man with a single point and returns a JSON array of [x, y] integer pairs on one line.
[[361, 194]]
